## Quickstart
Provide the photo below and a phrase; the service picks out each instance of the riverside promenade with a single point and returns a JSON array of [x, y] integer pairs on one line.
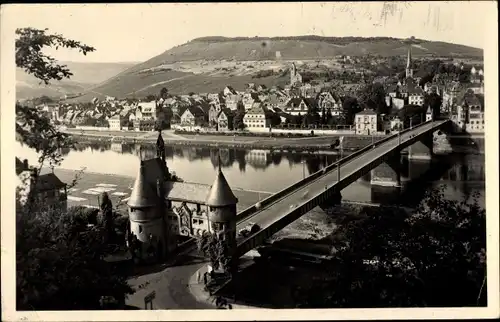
[[351, 141]]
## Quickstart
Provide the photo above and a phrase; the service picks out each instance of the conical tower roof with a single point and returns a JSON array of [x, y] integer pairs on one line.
[[429, 110], [142, 195], [220, 194]]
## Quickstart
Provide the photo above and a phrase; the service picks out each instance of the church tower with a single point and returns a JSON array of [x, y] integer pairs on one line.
[[293, 72], [222, 209], [409, 69]]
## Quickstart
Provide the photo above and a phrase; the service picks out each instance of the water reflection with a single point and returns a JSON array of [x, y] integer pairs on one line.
[[273, 170], [255, 158]]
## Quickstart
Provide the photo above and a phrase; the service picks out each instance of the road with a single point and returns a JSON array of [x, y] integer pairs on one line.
[[171, 287], [281, 208]]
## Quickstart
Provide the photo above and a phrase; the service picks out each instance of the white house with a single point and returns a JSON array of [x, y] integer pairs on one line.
[[366, 122], [116, 122], [255, 117], [147, 110]]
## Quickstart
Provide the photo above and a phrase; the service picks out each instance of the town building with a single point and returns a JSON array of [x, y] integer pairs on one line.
[[147, 110], [301, 105], [116, 122], [326, 100], [397, 103], [366, 122], [143, 124], [470, 113], [213, 115], [228, 90], [225, 120], [256, 117], [46, 190], [193, 116], [249, 99], [415, 95]]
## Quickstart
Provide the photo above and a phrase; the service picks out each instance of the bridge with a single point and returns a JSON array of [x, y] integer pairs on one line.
[[280, 209]]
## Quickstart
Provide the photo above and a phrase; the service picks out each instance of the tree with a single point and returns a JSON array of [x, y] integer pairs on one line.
[[59, 260], [388, 257], [414, 112], [29, 56], [350, 107], [372, 96], [164, 93], [434, 101], [150, 98], [274, 119], [328, 116], [216, 249], [239, 114]]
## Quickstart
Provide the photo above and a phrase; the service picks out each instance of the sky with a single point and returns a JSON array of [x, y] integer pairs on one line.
[[138, 32]]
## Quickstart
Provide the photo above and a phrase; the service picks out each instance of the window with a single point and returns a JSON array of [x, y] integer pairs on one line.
[[195, 221], [140, 229], [200, 221]]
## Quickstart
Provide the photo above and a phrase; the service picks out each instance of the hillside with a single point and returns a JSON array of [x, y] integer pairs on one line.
[[84, 76], [208, 64]]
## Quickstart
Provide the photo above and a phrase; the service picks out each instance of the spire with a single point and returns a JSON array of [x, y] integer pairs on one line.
[[220, 194], [408, 60], [142, 195]]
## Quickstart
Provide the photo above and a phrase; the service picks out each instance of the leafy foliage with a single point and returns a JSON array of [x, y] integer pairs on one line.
[[35, 130], [372, 96], [59, 257], [239, 114], [216, 249], [30, 57], [414, 112], [350, 106], [389, 258], [60, 262], [434, 101]]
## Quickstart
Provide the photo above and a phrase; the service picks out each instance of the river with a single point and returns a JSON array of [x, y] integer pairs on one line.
[[271, 171]]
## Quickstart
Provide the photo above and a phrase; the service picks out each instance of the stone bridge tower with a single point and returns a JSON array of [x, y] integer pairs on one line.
[[222, 209]]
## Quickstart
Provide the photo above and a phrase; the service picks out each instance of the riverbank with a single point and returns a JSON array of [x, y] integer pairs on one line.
[[464, 144]]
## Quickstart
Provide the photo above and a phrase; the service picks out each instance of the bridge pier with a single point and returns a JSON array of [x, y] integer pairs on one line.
[[388, 173]]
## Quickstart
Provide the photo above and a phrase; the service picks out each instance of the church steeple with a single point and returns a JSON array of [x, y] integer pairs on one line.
[[409, 69]]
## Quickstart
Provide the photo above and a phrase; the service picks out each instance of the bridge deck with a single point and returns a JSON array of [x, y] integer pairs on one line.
[[349, 172]]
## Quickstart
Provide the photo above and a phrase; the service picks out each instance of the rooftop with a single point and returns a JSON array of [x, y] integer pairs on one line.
[[367, 112], [220, 193]]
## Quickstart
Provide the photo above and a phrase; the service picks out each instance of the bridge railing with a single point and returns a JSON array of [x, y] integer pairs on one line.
[[280, 194]]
